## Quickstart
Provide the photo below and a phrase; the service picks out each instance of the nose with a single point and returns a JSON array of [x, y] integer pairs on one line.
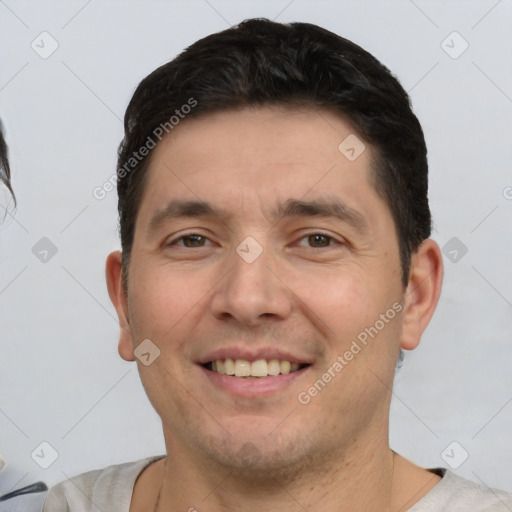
[[252, 291]]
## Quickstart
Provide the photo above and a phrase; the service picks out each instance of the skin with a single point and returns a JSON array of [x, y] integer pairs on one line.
[[309, 296]]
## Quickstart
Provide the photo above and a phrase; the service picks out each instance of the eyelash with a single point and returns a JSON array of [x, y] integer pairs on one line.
[[190, 235]]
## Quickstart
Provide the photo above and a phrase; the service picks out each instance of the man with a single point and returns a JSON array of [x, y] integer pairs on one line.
[[274, 224]]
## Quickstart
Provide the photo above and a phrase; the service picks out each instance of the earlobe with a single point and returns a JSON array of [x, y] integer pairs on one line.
[[117, 293], [422, 293]]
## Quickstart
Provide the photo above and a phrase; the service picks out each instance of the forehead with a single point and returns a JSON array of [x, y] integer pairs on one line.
[[261, 158], [266, 134]]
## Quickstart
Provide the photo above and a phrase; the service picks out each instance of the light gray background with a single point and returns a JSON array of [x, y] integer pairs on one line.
[[61, 378]]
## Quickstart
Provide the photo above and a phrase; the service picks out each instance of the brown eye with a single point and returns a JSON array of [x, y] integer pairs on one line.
[[319, 240], [191, 241]]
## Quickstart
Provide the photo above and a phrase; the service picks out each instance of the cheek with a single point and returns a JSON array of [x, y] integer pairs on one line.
[[161, 301], [341, 299], [353, 306]]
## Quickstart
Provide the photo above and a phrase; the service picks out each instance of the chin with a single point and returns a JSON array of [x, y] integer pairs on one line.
[[257, 455]]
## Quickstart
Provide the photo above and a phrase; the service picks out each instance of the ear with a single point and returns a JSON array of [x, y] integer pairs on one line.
[[118, 296], [422, 293]]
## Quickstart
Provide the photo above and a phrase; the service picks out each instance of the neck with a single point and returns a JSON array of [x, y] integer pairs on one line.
[[362, 478]]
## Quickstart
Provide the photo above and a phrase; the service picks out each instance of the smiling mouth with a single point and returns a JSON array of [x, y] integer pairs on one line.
[[261, 368]]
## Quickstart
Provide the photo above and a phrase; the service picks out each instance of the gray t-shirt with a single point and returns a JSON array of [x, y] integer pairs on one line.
[[110, 489]]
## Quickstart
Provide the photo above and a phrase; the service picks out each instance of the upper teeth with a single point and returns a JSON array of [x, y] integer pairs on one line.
[[259, 368]]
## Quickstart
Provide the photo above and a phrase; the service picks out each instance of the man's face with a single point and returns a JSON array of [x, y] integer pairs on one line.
[[263, 278]]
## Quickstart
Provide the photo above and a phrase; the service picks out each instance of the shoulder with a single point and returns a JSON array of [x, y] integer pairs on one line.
[[98, 489], [456, 494]]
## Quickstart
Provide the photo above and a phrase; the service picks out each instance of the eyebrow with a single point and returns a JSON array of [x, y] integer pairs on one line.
[[328, 208], [178, 208]]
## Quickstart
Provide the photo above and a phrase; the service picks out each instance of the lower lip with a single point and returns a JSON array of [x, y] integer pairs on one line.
[[258, 387]]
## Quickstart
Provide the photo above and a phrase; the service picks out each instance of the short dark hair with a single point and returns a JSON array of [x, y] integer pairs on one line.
[[259, 63], [5, 170]]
